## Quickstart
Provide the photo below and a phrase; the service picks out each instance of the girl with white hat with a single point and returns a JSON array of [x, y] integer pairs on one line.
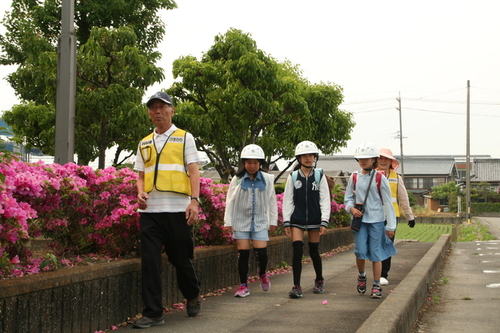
[[306, 207], [251, 211], [368, 197]]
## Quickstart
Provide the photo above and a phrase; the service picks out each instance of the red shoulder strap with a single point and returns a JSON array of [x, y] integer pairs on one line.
[[378, 180]]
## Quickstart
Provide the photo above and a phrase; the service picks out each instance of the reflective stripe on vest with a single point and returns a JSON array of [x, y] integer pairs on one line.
[[393, 183], [166, 173]]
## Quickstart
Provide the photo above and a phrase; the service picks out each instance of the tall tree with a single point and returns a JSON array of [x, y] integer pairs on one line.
[[116, 41], [237, 95]]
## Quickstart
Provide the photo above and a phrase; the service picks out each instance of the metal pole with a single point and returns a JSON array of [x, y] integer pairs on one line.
[[467, 167], [66, 87], [402, 172]]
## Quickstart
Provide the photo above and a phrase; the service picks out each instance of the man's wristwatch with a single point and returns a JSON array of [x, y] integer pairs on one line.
[[197, 199]]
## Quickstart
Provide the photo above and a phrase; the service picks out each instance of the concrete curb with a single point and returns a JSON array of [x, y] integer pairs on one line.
[[399, 310]]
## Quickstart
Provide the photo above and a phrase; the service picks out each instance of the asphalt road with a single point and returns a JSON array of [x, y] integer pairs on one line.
[[470, 300]]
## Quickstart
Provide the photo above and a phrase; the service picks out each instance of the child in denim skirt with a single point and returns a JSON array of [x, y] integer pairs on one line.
[[372, 241]]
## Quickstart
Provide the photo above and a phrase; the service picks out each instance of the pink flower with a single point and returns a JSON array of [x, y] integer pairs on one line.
[[15, 260], [17, 272]]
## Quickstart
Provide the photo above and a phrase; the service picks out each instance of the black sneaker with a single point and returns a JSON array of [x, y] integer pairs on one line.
[[319, 287], [376, 291], [361, 284], [296, 292], [193, 306], [146, 322]]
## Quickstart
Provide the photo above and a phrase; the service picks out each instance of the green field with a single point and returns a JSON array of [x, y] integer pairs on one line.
[[431, 232], [423, 232]]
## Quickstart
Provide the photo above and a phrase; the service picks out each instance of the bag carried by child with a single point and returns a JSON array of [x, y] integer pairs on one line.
[[356, 221]]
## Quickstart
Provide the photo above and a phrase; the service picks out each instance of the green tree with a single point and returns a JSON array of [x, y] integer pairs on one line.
[[449, 192], [412, 199], [116, 43], [484, 192], [443, 191], [237, 95]]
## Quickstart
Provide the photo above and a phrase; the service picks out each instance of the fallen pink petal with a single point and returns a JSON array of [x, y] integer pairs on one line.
[[325, 302]]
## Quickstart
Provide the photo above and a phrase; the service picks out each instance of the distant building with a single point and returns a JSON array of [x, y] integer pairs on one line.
[[486, 170], [26, 155]]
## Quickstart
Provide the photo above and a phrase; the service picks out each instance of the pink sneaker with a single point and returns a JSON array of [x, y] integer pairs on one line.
[[243, 291], [265, 283]]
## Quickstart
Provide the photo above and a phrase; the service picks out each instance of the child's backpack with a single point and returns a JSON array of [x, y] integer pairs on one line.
[[378, 180], [318, 173]]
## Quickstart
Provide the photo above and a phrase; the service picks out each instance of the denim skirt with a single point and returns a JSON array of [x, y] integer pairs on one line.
[[371, 242]]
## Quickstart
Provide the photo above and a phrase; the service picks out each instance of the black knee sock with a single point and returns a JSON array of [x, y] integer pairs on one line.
[[261, 255], [243, 257], [316, 259], [298, 251]]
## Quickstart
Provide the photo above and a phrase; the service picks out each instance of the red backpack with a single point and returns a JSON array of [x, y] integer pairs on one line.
[[378, 180]]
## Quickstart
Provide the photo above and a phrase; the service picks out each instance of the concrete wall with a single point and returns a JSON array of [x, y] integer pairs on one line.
[[91, 298], [400, 309]]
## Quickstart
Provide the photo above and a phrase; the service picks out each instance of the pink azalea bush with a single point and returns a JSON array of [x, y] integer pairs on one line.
[[92, 214], [338, 215], [80, 209], [210, 228]]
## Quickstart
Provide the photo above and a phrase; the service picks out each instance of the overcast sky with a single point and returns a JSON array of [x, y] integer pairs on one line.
[[375, 50]]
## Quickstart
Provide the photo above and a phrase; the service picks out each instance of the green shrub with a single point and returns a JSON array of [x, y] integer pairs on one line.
[[485, 207]]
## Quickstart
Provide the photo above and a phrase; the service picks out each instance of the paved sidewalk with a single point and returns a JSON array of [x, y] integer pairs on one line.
[[470, 301], [339, 309]]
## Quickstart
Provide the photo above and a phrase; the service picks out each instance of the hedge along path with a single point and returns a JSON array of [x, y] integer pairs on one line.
[[423, 232]]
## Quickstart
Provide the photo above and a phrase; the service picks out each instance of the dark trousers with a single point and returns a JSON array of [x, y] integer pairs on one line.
[[386, 264], [169, 230]]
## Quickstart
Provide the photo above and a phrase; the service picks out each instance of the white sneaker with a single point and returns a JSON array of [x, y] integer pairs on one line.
[[383, 281]]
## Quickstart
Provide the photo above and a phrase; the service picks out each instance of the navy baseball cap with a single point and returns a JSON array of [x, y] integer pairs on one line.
[[162, 96]]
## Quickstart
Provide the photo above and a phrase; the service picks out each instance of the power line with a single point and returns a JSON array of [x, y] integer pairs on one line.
[[426, 99], [368, 111], [445, 101], [424, 110], [368, 101], [449, 112]]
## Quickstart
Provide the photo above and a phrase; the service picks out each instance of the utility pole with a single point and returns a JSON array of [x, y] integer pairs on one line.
[[467, 155], [66, 87], [402, 172]]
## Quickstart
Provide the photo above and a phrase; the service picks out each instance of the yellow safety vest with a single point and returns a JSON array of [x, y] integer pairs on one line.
[[393, 184], [165, 171]]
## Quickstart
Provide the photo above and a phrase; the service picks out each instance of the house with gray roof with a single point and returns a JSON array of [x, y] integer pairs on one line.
[[422, 173], [486, 170]]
